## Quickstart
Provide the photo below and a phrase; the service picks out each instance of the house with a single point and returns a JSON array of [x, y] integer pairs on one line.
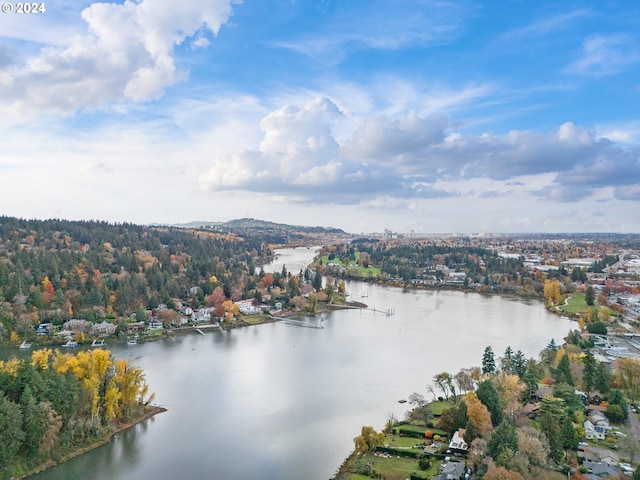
[[76, 325], [602, 470], [457, 443], [133, 326], [592, 431], [450, 470], [540, 393], [596, 398], [103, 328]]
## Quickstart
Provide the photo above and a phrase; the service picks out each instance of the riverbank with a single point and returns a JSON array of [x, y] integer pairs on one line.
[[149, 411]]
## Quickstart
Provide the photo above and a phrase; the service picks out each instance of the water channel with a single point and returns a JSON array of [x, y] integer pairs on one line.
[[278, 401]]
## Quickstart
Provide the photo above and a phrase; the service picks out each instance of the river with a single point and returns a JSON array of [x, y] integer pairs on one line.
[[279, 401]]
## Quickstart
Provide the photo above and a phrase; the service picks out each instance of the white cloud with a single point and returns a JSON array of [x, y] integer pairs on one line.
[[606, 55], [126, 54]]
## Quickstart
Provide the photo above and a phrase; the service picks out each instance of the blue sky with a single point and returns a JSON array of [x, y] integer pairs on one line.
[[432, 116]]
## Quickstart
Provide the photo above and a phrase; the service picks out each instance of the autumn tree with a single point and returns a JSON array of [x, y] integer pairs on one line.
[[508, 387], [551, 292], [501, 473], [478, 413], [628, 376], [368, 440]]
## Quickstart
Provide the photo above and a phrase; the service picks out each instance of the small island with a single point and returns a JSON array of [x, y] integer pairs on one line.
[[54, 406]]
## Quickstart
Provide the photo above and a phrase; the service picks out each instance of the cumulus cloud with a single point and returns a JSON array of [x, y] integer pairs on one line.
[[126, 54], [387, 162]]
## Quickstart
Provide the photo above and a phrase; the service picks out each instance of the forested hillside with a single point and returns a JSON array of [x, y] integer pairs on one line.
[[54, 270]]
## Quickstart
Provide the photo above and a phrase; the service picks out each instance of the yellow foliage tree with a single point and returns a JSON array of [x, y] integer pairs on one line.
[[40, 358], [14, 338], [478, 413], [508, 387], [10, 366], [368, 440], [552, 292], [603, 315]]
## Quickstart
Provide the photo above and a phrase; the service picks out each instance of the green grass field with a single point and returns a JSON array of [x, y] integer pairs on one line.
[[397, 467], [577, 305], [356, 270]]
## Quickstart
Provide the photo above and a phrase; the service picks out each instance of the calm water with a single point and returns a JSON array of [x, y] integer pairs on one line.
[[279, 401]]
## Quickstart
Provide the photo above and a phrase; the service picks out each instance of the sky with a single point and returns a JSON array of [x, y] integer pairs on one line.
[[435, 116]]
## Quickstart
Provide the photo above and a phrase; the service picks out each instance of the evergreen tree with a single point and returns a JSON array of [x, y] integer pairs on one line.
[[488, 395], [590, 296], [603, 378], [488, 361], [563, 372], [589, 372], [11, 428], [503, 440], [519, 363]]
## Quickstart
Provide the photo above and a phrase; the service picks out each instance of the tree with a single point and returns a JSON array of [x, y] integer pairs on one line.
[[628, 376], [551, 291], [507, 360], [11, 428], [552, 417], [563, 371], [488, 395], [464, 381], [368, 440], [508, 388], [501, 473], [478, 413], [444, 382], [590, 296], [421, 411], [519, 363], [488, 361], [589, 372], [503, 440], [603, 377]]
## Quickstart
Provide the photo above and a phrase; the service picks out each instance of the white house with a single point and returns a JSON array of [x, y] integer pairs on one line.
[[592, 431]]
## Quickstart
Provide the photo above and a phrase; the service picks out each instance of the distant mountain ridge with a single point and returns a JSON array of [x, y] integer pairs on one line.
[[243, 224]]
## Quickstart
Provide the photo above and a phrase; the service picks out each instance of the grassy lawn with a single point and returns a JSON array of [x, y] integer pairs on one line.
[[437, 407], [419, 429], [359, 270], [398, 441], [577, 304], [253, 319], [398, 467]]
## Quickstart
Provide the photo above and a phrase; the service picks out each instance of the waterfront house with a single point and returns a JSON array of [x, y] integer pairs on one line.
[[457, 443]]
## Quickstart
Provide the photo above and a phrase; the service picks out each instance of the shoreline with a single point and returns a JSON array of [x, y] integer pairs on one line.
[[150, 411]]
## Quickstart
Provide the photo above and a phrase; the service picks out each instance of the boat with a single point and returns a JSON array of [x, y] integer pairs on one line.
[[133, 341], [70, 344], [97, 343], [24, 344]]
